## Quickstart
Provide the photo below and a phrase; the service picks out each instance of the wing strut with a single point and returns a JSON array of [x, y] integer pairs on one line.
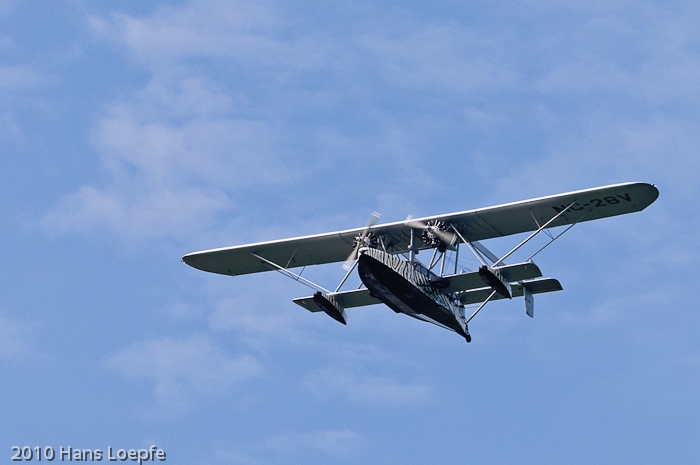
[[412, 247], [469, 244], [535, 233], [483, 304], [482, 248], [347, 275], [291, 274], [558, 236]]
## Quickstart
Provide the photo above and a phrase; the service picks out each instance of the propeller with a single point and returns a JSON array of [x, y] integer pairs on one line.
[[434, 233], [360, 240]]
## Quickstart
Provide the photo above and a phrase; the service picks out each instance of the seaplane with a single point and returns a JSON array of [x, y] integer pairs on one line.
[[434, 291]]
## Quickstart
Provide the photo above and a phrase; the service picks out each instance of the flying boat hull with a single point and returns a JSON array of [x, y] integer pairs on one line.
[[408, 291]]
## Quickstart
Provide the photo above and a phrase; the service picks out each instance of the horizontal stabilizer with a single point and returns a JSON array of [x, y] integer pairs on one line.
[[535, 286]]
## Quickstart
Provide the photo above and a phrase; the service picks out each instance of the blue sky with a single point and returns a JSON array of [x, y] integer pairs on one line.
[[132, 133]]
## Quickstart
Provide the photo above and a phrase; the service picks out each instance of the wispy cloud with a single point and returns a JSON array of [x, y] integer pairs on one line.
[[18, 77], [168, 179], [198, 29], [368, 375], [260, 325], [179, 150], [184, 370], [232, 85], [364, 389], [15, 339], [336, 443], [5, 6], [10, 130], [354, 373], [444, 57]]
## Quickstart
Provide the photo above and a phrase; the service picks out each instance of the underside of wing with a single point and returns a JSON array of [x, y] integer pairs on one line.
[[286, 253], [474, 225]]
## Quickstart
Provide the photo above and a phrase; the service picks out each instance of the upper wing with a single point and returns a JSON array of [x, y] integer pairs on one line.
[[474, 225]]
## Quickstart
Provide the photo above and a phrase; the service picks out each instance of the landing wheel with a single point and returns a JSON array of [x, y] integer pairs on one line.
[[467, 336]]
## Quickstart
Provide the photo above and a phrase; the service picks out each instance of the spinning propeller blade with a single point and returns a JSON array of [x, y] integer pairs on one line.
[[446, 237], [359, 240]]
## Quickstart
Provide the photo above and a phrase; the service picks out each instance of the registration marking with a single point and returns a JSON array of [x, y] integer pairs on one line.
[[597, 203]]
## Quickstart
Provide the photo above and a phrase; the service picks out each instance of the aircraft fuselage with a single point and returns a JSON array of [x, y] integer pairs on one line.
[[405, 287]]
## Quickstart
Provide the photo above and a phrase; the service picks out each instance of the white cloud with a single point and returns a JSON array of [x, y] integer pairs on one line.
[[243, 30], [183, 370], [357, 373], [181, 149], [9, 130], [610, 150], [336, 443], [272, 318], [179, 152], [452, 58], [168, 179], [6, 43], [349, 377], [14, 339], [240, 96], [5, 6], [342, 444], [364, 389], [153, 213], [18, 77], [230, 315]]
